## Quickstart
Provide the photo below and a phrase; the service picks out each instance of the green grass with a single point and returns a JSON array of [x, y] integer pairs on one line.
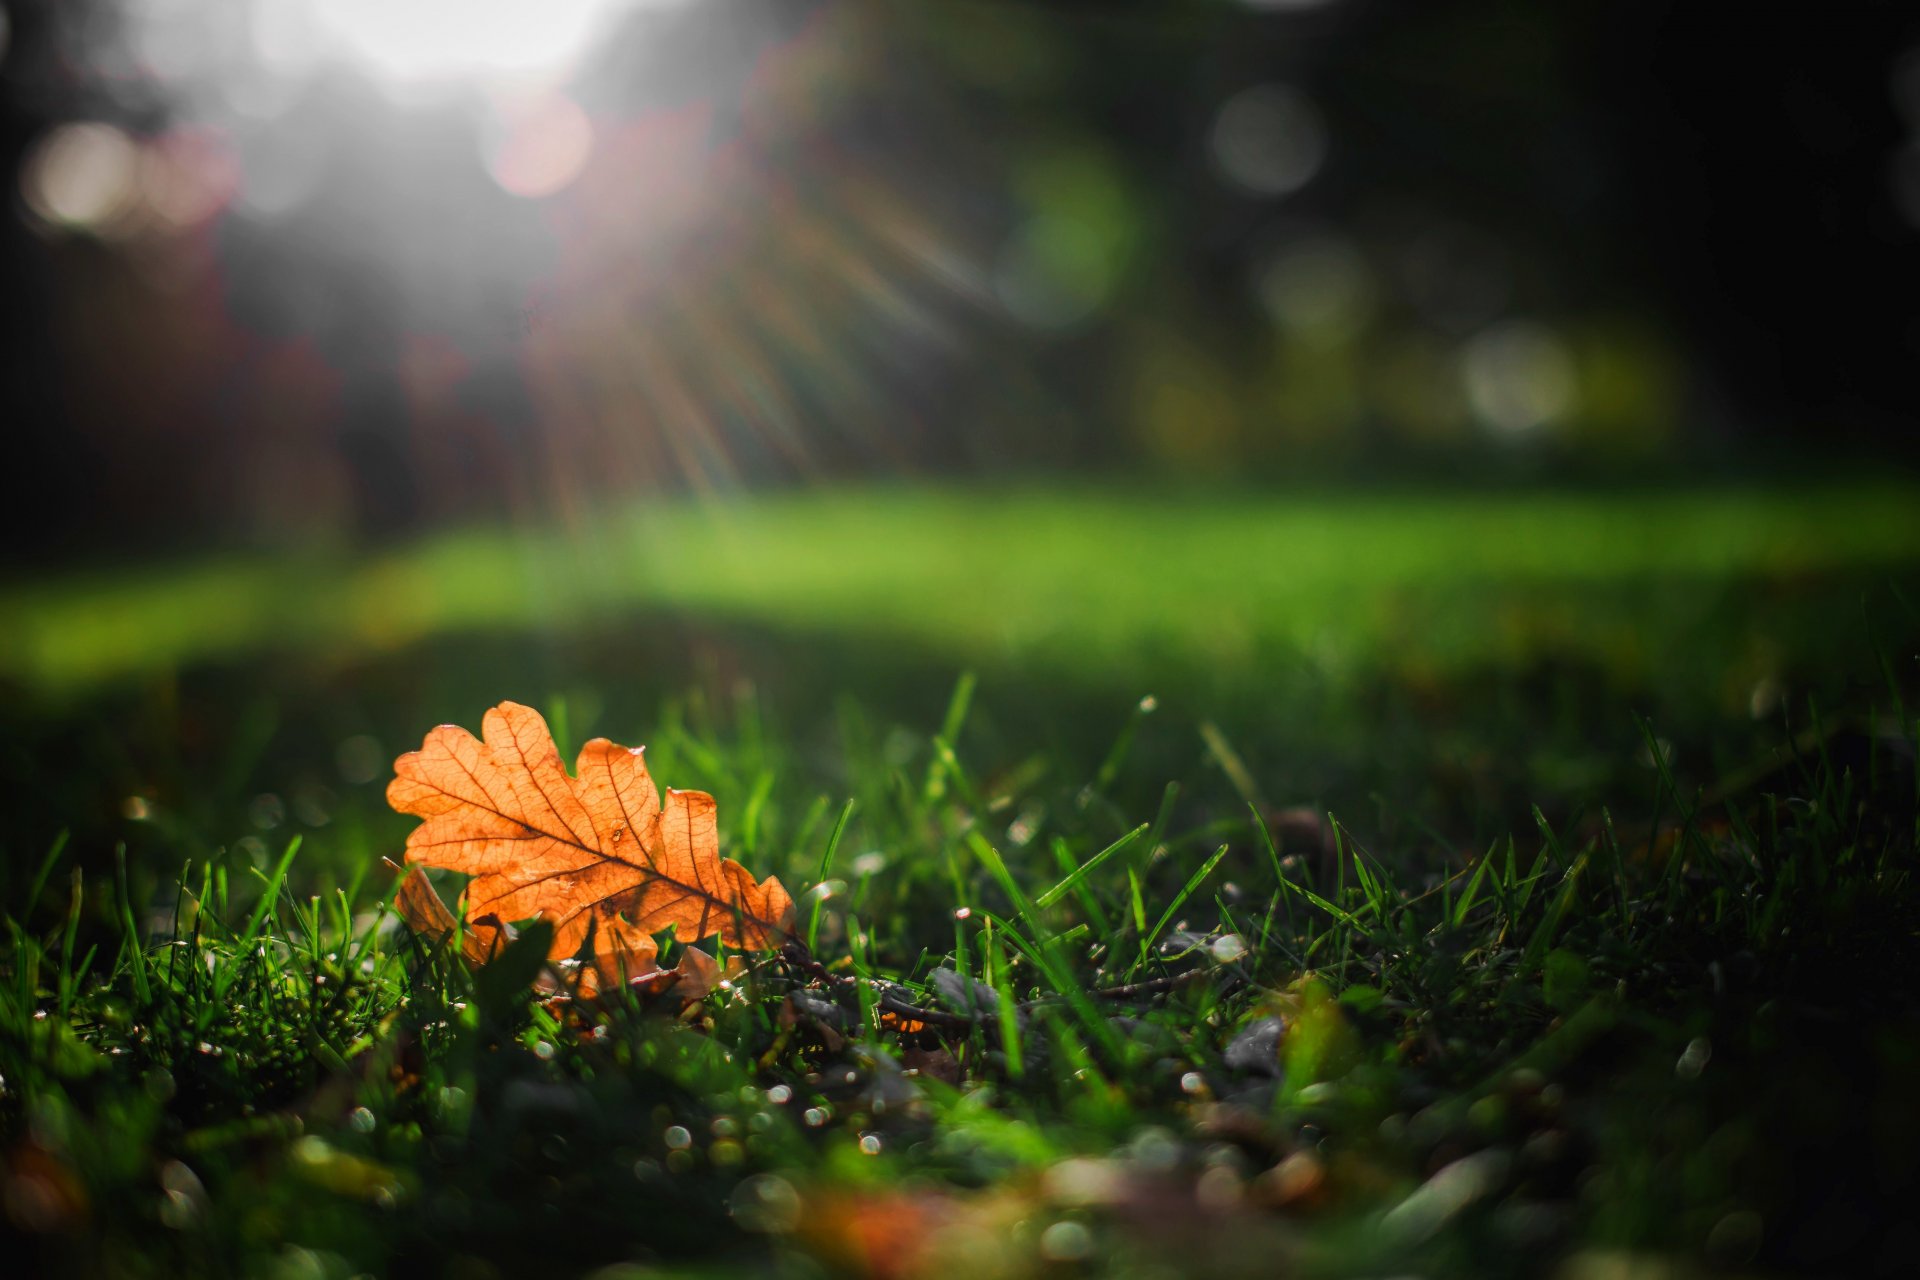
[[1062, 581], [1558, 989], [1481, 1064]]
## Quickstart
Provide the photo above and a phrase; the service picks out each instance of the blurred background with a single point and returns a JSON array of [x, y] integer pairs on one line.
[[285, 273], [1381, 383]]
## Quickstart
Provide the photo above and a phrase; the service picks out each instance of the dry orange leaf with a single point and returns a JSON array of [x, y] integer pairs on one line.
[[594, 854], [428, 916]]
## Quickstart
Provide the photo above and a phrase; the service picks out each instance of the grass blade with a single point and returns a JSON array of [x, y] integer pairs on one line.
[[826, 865], [1087, 868], [1194, 881], [135, 949]]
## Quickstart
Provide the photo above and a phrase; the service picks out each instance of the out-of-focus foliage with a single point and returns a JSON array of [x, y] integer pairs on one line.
[[326, 273]]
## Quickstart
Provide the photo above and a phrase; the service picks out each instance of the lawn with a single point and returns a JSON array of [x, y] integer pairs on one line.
[[1390, 882], [1085, 581]]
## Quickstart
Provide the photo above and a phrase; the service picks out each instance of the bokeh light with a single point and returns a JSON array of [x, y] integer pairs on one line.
[[186, 177], [1519, 377], [542, 146], [1269, 140], [84, 177], [1318, 286]]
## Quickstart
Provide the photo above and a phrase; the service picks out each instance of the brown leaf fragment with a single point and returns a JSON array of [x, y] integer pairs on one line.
[[597, 854], [696, 976], [421, 907], [937, 1063]]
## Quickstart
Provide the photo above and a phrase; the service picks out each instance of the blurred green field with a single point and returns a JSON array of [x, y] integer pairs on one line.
[[1448, 660], [1082, 583]]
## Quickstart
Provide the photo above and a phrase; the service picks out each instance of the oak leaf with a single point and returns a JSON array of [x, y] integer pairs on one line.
[[427, 915], [598, 855]]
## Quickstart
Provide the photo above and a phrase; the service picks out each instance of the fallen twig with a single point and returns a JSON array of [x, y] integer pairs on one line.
[[892, 1001]]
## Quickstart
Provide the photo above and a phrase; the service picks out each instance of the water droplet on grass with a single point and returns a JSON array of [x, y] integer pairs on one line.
[[766, 1203], [1066, 1242], [1229, 947]]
